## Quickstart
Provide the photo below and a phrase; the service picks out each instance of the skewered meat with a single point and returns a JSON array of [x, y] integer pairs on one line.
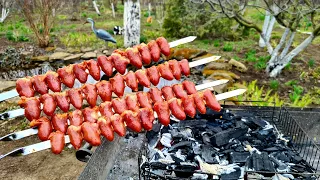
[[132, 120], [167, 92], [44, 127], [90, 93], [184, 65], [75, 135], [119, 105], [67, 76], [131, 80], [117, 84], [163, 112], [106, 109], [39, 84], [90, 114], [165, 71], [142, 78], [118, 125], [177, 109], [31, 107], [145, 53], [104, 90], [153, 75], [155, 94], [53, 81], [175, 69], [154, 50], [189, 106], [133, 55], [106, 128], [94, 69], [91, 133], [211, 100], [120, 62], [120, 52], [24, 87], [75, 97], [164, 45], [189, 86], [132, 102], [105, 64], [49, 104], [75, 117], [179, 91], [198, 101], [146, 116], [57, 142], [80, 72], [144, 100], [62, 101], [60, 122]]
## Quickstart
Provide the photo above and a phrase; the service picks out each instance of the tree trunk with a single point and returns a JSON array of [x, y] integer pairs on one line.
[[113, 11], [267, 28], [274, 68], [131, 26]]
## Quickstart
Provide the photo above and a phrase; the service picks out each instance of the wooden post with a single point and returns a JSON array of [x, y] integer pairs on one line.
[[113, 12], [131, 20]]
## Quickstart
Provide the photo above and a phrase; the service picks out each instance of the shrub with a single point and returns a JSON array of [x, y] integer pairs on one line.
[[251, 55], [216, 43], [227, 47], [184, 18]]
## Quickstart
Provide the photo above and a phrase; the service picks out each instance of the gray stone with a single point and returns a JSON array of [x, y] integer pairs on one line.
[[58, 56], [89, 55], [7, 84], [73, 57], [59, 50], [25, 53], [73, 50], [88, 49], [239, 66], [40, 58], [107, 52]]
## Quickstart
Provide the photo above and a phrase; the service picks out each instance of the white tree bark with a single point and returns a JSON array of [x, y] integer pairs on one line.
[[4, 10], [276, 67], [275, 52], [131, 17], [288, 45], [267, 28], [149, 9], [96, 7], [113, 11]]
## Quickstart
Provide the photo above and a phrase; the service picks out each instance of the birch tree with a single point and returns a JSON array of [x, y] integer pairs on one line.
[[131, 21], [288, 13], [4, 7]]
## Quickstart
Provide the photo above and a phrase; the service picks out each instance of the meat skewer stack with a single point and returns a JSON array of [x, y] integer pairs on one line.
[[136, 111]]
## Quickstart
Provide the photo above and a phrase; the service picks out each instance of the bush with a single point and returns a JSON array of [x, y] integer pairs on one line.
[[184, 18], [228, 47]]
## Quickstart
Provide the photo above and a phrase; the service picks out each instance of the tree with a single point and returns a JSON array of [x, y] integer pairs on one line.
[[131, 22], [40, 15], [4, 7], [288, 13]]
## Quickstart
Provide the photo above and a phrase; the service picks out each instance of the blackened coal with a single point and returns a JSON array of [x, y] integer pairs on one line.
[[221, 145]]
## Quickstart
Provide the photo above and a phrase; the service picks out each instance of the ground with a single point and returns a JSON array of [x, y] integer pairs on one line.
[[68, 34]]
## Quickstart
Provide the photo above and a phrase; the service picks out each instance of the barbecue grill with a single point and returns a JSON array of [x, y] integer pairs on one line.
[[284, 122]]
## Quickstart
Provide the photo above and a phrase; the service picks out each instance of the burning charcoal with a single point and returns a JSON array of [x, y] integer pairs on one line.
[[232, 175], [166, 139], [237, 157], [181, 134], [223, 137], [180, 145], [208, 154]]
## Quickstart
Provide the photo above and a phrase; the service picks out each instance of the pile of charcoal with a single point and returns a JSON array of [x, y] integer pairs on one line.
[[221, 145]]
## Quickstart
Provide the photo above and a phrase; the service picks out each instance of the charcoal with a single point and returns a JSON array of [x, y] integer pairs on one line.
[[201, 123], [223, 137], [176, 159], [165, 129], [208, 154], [260, 162], [282, 156], [180, 145], [233, 175], [298, 168], [184, 171], [237, 157], [281, 167], [206, 138], [181, 134], [214, 130], [158, 165]]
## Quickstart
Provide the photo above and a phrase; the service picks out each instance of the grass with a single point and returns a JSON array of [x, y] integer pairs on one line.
[[228, 47], [311, 63], [274, 84]]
